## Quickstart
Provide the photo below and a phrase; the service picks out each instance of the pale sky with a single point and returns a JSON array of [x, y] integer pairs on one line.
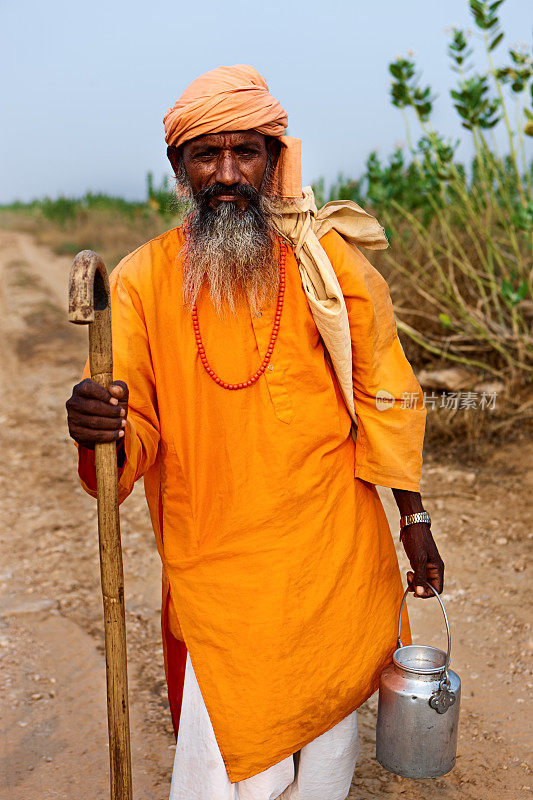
[[85, 85]]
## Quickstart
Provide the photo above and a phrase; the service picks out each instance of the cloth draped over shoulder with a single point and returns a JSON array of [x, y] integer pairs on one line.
[[302, 225], [236, 99]]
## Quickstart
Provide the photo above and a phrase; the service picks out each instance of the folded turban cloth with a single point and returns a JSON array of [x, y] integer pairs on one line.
[[236, 99]]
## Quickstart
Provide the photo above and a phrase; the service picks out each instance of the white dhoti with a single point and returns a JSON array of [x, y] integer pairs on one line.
[[322, 770]]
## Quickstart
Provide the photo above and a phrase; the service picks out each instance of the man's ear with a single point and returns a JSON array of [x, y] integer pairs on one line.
[[174, 156], [273, 147]]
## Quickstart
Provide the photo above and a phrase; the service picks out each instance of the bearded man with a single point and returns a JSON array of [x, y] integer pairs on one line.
[[262, 395]]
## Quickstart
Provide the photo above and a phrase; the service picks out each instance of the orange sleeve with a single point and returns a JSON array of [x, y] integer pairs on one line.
[[132, 363], [390, 433]]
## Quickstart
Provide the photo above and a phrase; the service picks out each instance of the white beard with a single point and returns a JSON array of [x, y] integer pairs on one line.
[[232, 251]]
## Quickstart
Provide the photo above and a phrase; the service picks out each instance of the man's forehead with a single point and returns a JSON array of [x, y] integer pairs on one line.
[[226, 139]]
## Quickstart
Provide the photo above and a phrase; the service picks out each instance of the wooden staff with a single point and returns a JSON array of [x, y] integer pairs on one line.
[[89, 304]]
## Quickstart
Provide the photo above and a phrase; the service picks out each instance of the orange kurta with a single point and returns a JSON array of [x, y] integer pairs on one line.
[[277, 551]]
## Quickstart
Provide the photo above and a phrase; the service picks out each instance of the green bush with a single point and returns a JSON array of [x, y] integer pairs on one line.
[[461, 238], [60, 210]]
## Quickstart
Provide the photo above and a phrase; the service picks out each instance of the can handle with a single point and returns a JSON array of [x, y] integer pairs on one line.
[[448, 631]]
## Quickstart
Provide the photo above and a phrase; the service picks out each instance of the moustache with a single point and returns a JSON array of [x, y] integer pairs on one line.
[[242, 190]]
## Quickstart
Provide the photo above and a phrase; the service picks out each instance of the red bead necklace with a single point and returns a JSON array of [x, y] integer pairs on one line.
[[274, 335]]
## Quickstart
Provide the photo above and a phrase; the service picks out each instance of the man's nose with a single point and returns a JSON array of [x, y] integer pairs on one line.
[[227, 171]]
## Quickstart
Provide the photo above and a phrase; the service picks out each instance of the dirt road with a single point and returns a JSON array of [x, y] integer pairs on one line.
[[53, 723]]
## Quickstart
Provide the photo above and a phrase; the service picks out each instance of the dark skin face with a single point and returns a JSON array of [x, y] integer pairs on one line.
[[237, 157]]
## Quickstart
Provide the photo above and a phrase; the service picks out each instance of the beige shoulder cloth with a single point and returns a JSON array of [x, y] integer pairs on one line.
[[302, 225]]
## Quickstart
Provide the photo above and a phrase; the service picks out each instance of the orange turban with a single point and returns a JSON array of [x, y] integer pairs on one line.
[[236, 99]]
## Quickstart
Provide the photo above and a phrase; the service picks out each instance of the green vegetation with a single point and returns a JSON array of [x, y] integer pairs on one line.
[[461, 238], [111, 225], [65, 209]]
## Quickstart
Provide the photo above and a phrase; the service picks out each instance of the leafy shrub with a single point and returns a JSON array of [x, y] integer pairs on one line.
[[461, 238]]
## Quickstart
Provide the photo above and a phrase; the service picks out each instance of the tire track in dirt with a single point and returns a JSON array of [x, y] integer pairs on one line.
[[53, 740]]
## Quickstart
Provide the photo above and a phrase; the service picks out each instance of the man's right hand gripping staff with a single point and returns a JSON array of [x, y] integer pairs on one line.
[[96, 414]]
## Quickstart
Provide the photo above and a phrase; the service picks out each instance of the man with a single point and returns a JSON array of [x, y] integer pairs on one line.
[[249, 344]]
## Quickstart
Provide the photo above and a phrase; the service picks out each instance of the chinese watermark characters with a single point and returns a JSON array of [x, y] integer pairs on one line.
[[455, 401]]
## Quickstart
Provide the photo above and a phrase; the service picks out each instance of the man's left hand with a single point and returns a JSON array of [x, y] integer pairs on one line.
[[424, 557]]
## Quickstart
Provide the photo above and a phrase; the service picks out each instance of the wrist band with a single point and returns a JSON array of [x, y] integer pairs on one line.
[[411, 519]]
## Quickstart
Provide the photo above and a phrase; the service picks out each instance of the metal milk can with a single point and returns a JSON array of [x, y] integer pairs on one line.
[[418, 709]]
